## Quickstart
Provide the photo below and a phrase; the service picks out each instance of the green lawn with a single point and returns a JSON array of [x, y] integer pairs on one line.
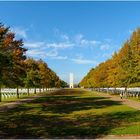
[[134, 98], [21, 96], [14, 98], [69, 114], [116, 94]]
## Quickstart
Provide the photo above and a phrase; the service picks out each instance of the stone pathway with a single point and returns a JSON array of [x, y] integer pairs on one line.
[[128, 102]]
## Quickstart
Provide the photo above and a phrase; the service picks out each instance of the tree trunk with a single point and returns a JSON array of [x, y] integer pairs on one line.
[[115, 91], [35, 91], [125, 92], [28, 91], [0, 94], [17, 93]]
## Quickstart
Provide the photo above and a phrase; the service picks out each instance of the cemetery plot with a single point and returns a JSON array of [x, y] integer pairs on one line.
[[126, 92], [70, 113], [8, 94]]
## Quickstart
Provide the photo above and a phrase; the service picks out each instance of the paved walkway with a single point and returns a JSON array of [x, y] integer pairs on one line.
[[130, 103]]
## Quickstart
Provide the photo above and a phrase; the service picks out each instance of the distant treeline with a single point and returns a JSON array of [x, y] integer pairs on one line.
[[18, 70], [122, 70]]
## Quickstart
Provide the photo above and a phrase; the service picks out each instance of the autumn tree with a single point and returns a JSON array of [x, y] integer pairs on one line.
[[16, 70], [12, 56], [38, 74], [121, 70]]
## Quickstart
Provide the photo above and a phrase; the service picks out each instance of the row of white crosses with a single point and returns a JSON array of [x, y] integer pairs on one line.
[[131, 92], [12, 92]]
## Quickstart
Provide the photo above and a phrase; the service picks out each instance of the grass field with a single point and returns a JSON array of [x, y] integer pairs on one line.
[[130, 98], [134, 98], [69, 114], [21, 96], [14, 98]]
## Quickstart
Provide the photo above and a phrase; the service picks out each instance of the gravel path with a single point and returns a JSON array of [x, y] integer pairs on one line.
[[128, 102]]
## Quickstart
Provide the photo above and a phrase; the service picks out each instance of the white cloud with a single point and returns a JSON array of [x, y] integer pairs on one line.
[[53, 49], [64, 76], [61, 45], [34, 44], [60, 57], [60, 35], [89, 42], [56, 56], [83, 42], [52, 53], [108, 40], [105, 47], [65, 37], [40, 53], [20, 31], [35, 53], [56, 31], [78, 38], [83, 61], [108, 55], [130, 31]]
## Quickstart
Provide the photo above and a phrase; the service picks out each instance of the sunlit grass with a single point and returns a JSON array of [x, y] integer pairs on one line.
[[69, 114], [134, 98], [118, 95], [22, 96]]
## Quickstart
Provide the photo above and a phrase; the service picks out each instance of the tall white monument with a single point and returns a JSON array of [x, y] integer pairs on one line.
[[71, 84]]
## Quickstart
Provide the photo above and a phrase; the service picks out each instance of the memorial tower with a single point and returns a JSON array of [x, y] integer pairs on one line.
[[71, 84]]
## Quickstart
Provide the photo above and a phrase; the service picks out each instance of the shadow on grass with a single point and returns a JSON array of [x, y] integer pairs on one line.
[[48, 117], [64, 102], [45, 126], [65, 105], [69, 92]]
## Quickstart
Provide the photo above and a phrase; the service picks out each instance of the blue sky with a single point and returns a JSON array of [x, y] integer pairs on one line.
[[71, 36]]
